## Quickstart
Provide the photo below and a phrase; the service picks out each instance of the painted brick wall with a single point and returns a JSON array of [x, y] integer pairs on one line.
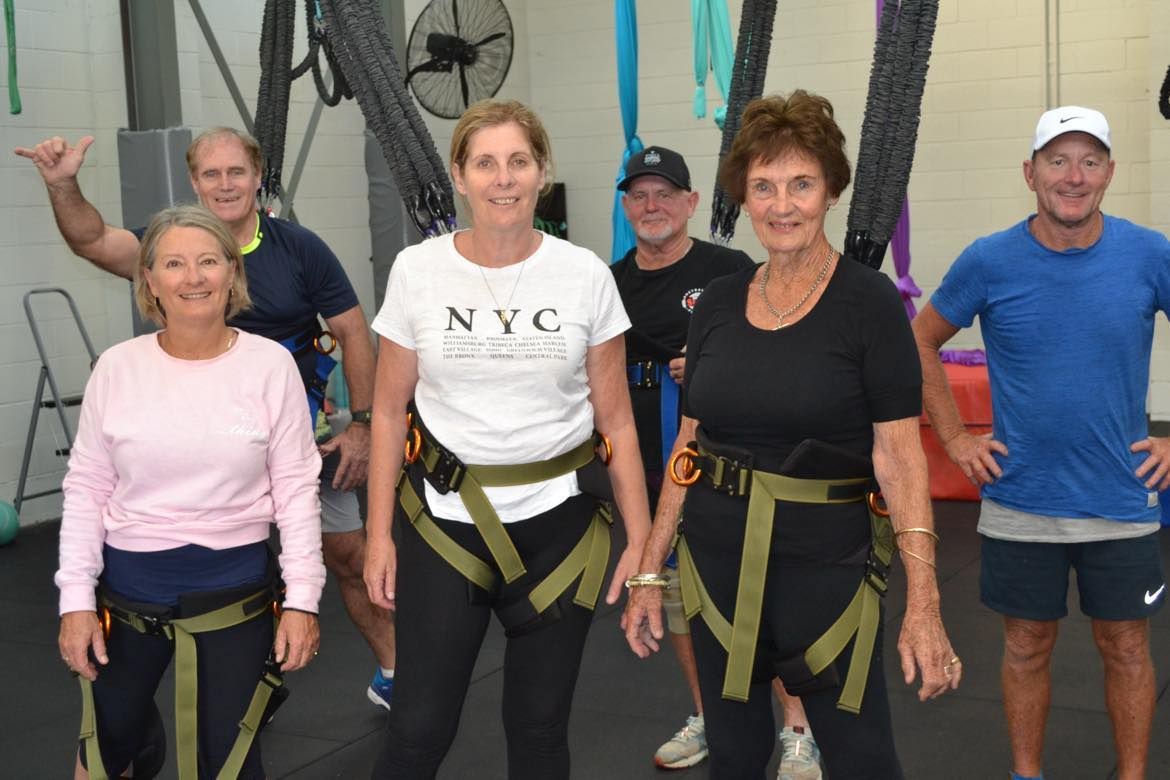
[[71, 83], [985, 88]]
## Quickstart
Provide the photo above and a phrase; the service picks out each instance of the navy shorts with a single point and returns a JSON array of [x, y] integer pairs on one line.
[[1117, 579]]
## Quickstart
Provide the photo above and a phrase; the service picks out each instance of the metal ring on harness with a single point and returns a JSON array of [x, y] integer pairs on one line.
[[332, 342], [692, 472], [413, 444], [876, 503], [106, 620], [607, 448]]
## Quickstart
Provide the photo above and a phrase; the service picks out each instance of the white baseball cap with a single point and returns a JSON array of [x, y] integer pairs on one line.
[[1070, 119]]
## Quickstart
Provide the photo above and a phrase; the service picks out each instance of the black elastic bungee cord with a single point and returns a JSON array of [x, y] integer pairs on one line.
[[358, 52], [889, 131], [747, 83]]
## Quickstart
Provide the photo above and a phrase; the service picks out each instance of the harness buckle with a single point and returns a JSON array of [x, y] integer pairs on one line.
[[643, 374], [448, 472], [877, 573], [649, 378], [730, 476], [155, 626]]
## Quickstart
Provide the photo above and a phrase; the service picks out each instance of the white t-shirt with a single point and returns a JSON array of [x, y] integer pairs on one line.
[[503, 389]]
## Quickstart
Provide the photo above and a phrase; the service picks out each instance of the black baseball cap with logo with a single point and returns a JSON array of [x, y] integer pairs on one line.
[[657, 161]]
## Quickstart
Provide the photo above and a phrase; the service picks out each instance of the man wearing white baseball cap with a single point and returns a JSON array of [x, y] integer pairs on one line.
[[1066, 301]]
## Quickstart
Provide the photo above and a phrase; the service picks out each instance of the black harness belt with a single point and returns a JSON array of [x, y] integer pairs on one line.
[[182, 632], [446, 472], [739, 637]]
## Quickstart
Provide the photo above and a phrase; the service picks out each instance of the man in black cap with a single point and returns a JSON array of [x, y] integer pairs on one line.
[[660, 280]]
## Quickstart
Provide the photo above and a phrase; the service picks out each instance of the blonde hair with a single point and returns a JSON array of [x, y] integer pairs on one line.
[[195, 217], [492, 113], [250, 144]]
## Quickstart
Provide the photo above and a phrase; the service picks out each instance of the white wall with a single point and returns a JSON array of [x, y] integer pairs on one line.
[[72, 83], [985, 88]]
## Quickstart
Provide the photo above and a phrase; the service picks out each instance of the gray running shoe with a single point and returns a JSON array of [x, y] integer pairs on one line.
[[686, 748], [801, 758]]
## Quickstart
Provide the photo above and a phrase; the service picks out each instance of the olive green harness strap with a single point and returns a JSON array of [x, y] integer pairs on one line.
[[182, 632], [473, 479], [860, 618], [588, 558], [448, 549], [740, 636], [93, 756], [590, 555]]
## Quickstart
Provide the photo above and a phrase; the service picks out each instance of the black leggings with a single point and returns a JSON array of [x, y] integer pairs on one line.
[[441, 621], [230, 663], [801, 600]]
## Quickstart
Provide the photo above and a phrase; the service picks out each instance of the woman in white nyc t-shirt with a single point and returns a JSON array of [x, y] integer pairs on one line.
[[509, 342]]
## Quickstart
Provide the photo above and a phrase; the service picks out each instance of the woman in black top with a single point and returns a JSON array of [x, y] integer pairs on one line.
[[805, 367]]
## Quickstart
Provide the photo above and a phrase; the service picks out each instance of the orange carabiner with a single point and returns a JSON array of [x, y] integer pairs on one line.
[[607, 447], [872, 499], [413, 444], [276, 610], [107, 621], [687, 457], [317, 342]]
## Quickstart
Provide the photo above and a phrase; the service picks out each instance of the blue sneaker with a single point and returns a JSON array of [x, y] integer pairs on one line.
[[381, 690]]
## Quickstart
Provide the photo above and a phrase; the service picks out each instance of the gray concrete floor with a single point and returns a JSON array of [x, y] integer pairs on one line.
[[624, 708]]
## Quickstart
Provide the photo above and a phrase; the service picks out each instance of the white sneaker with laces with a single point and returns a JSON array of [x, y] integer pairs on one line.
[[686, 748], [801, 758]]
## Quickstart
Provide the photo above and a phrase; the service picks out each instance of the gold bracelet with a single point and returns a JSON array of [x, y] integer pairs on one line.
[[919, 557], [926, 531], [654, 580]]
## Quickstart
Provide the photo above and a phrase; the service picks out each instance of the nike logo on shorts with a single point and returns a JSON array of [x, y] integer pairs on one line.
[[1152, 597]]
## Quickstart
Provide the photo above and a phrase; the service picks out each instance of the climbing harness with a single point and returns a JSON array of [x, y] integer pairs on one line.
[[445, 472], [762, 489], [160, 621]]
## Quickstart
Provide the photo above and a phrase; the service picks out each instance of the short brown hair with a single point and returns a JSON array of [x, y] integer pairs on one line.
[[491, 113], [196, 217], [774, 126], [250, 144]]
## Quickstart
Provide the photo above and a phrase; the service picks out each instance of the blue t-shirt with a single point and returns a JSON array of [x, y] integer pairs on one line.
[[1068, 337], [292, 277]]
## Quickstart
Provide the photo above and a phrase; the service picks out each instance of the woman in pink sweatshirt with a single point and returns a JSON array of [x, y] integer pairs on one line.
[[192, 442]]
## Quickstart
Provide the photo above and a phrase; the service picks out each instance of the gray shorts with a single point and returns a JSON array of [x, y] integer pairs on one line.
[[339, 508]]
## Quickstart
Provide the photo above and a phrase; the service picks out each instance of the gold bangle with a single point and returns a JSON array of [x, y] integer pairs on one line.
[[653, 580], [926, 531], [919, 557]]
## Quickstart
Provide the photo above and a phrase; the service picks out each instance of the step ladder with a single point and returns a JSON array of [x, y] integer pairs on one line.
[[54, 400]]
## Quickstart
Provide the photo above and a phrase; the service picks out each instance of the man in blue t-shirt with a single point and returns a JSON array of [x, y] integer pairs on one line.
[[293, 278], [1066, 301]]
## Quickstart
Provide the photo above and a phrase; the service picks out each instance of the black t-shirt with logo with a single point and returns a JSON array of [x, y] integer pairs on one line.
[[659, 304]]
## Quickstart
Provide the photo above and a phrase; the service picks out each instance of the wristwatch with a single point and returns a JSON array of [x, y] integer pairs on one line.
[[361, 416]]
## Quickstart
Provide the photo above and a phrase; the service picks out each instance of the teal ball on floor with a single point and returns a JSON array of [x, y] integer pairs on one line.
[[9, 523]]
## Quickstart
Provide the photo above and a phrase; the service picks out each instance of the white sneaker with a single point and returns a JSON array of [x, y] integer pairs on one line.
[[801, 758], [686, 748]]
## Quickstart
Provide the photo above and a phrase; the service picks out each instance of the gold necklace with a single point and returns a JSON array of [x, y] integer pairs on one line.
[[782, 315], [501, 311]]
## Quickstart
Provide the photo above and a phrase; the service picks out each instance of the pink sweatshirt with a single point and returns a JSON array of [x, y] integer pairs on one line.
[[172, 452]]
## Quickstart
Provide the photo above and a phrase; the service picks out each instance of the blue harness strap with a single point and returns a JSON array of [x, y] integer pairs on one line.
[[315, 368], [650, 374]]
